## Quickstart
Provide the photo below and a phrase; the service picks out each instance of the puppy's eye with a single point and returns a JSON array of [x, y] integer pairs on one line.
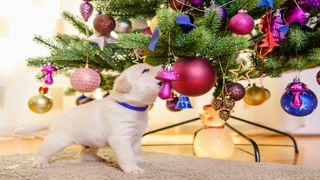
[[145, 70]]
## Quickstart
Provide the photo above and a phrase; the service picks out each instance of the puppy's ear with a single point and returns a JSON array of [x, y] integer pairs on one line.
[[122, 85]]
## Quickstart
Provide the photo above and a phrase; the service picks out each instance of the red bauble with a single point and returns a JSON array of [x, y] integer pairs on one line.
[[241, 23], [178, 5], [196, 76], [318, 77], [104, 24]]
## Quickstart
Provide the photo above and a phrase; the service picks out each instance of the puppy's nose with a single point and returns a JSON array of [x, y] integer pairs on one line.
[[160, 83]]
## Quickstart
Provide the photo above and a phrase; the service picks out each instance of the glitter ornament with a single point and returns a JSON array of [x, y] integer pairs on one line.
[[217, 104], [85, 80], [86, 10], [229, 103], [235, 90], [225, 114], [104, 24], [241, 23]]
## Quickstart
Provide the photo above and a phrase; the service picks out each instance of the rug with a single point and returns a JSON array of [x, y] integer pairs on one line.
[[66, 165]]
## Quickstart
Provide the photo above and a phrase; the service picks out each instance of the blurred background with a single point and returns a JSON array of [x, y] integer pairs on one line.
[[20, 20]]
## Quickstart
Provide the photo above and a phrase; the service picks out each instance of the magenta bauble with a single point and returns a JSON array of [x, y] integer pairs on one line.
[[311, 3], [296, 14], [196, 76], [85, 80], [241, 23], [86, 10]]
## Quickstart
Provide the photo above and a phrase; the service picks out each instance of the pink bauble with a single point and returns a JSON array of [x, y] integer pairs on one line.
[[85, 80], [318, 77], [86, 10], [241, 23], [294, 14], [196, 76]]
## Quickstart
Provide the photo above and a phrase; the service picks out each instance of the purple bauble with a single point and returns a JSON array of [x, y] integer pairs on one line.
[[294, 14], [86, 10], [311, 3], [172, 104], [195, 3], [318, 77], [241, 23], [236, 91]]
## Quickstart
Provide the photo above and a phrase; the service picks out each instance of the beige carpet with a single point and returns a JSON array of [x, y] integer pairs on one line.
[[158, 166]]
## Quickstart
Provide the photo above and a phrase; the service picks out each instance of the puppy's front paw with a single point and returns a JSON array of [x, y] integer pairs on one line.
[[136, 170], [40, 162]]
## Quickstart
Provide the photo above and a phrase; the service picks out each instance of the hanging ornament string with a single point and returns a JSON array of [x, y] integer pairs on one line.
[[298, 6]]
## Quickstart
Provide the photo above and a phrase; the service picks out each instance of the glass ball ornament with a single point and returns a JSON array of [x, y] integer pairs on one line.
[[85, 80], [255, 95], [241, 23], [235, 90], [196, 76], [213, 143], [40, 103], [309, 103], [104, 24]]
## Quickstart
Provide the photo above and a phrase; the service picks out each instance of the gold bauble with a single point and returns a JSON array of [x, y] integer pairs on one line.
[[255, 95], [265, 52], [154, 23], [40, 103]]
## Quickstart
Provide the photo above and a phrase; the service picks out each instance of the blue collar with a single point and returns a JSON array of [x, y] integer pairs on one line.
[[134, 108]]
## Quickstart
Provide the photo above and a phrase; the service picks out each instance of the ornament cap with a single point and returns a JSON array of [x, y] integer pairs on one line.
[[296, 85]]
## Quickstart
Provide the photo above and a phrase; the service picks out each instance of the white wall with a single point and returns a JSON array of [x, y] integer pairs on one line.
[[21, 19]]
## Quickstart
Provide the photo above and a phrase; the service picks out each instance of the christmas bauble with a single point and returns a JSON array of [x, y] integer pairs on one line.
[[241, 23], [229, 103], [309, 103], [40, 103], [171, 104], [104, 24], [217, 104], [86, 10], [85, 80], [123, 25], [236, 91], [178, 5], [311, 3], [294, 14], [318, 77], [153, 24], [195, 3], [196, 76], [225, 114], [83, 99], [255, 95], [265, 52]]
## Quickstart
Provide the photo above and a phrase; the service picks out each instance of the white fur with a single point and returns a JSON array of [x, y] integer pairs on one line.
[[104, 122]]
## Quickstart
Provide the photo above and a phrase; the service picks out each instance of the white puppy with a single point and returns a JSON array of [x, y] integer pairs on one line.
[[117, 121]]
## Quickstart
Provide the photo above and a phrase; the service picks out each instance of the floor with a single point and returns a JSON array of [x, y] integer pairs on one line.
[[308, 147]]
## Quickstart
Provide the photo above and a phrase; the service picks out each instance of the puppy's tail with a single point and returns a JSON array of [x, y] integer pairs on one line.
[[27, 129]]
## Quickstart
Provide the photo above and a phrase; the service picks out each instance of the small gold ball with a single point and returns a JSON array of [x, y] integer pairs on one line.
[[40, 103], [255, 96]]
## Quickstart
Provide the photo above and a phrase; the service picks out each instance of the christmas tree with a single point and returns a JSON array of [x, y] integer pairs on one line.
[[217, 31]]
